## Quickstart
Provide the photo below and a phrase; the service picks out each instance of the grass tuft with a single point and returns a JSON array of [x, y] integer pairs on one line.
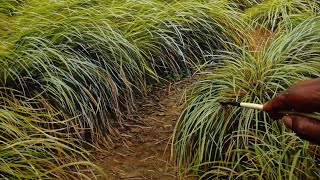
[[32, 145], [212, 141]]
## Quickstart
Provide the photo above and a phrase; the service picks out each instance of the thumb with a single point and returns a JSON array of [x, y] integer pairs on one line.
[[306, 128]]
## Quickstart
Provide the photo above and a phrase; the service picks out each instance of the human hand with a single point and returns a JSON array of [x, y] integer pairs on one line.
[[300, 97]]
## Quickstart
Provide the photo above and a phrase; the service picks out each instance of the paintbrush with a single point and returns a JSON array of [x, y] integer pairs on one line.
[[260, 107]]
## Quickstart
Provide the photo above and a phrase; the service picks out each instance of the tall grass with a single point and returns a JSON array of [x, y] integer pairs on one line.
[[31, 148], [90, 60], [73, 70], [10, 7], [285, 14], [212, 141]]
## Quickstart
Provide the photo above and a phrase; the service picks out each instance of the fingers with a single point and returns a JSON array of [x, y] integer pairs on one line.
[[293, 101], [275, 103], [278, 103], [275, 115], [306, 128], [302, 97]]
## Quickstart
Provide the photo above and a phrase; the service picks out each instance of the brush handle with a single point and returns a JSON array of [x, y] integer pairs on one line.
[[252, 105], [309, 115], [260, 107]]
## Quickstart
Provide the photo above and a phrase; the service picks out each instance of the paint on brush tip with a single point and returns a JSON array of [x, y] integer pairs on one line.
[[230, 103]]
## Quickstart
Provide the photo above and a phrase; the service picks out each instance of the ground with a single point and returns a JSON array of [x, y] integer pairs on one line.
[[146, 151]]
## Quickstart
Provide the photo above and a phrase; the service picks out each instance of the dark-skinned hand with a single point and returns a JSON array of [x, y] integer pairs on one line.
[[300, 97]]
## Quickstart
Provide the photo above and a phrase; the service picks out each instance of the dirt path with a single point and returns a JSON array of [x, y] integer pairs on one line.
[[146, 152]]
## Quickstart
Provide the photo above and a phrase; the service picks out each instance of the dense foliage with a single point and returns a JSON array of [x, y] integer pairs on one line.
[[212, 141], [89, 59], [76, 67], [72, 70]]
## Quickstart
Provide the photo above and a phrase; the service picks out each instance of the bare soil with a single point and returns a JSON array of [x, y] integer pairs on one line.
[[145, 152]]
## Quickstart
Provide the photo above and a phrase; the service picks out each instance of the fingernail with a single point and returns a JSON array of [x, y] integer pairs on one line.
[[287, 121]]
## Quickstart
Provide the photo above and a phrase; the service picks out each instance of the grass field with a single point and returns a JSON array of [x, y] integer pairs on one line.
[[72, 70]]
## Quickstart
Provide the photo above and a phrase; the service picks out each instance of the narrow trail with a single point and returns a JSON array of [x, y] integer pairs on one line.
[[147, 150]]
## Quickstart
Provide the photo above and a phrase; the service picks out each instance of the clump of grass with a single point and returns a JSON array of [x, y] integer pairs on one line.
[[212, 141], [245, 4], [92, 59], [32, 149], [176, 36], [9, 7], [285, 14], [86, 62]]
